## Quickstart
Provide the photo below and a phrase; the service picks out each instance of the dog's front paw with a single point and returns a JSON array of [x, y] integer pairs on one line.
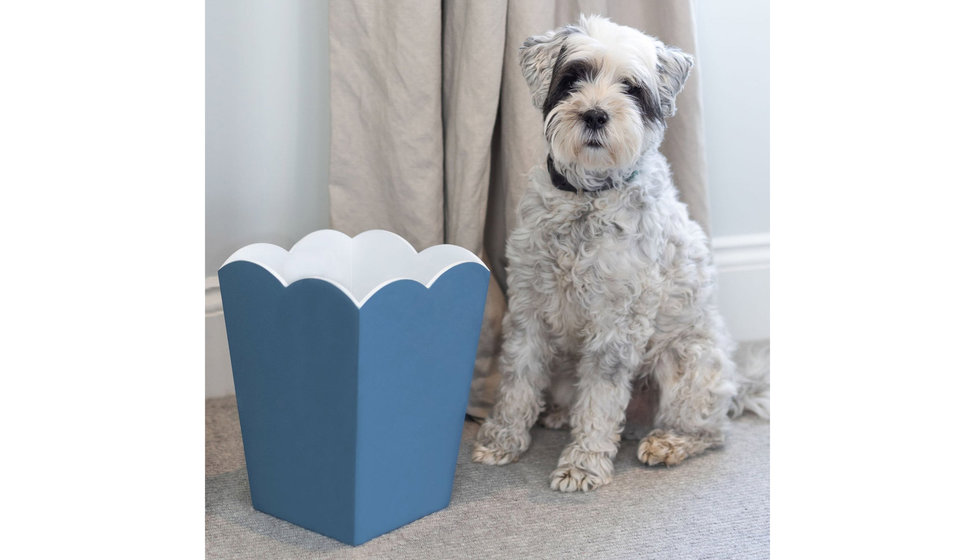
[[493, 455], [499, 444], [569, 478], [581, 470]]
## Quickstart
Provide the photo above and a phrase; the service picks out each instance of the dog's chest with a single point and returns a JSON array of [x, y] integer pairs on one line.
[[582, 245], [594, 259]]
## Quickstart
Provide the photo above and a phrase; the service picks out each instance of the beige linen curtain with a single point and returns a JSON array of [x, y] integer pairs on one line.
[[433, 132]]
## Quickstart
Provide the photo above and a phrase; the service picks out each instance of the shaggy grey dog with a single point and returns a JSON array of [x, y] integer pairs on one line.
[[610, 283]]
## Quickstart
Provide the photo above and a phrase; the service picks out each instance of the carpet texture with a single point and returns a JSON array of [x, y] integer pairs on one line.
[[712, 506]]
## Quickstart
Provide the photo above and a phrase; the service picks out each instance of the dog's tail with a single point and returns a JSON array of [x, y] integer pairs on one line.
[[752, 377]]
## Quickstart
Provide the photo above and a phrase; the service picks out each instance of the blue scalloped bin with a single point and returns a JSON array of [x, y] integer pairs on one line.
[[352, 360]]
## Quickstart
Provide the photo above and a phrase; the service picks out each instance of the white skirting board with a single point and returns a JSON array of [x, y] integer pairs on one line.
[[218, 381], [743, 278]]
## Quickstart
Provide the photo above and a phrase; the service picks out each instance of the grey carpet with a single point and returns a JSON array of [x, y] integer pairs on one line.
[[712, 506]]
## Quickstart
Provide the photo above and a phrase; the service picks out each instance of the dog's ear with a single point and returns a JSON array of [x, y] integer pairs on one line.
[[673, 68], [538, 56]]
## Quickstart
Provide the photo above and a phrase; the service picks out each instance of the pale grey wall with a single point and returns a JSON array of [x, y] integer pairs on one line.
[[267, 123], [733, 53]]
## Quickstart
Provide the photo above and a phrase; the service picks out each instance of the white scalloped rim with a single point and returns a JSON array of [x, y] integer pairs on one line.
[[358, 266]]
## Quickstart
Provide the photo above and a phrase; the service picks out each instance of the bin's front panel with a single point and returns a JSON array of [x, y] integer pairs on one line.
[[417, 349], [294, 359]]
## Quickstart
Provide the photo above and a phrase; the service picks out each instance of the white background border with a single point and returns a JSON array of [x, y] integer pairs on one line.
[[874, 299]]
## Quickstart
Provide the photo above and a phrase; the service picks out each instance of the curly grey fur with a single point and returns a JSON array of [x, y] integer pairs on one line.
[[611, 288]]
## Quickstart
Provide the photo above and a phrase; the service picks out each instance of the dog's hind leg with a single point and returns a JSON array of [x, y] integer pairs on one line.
[[696, 389], [506, 434]]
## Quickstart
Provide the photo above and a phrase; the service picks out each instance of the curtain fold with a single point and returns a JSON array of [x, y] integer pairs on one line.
[[433, 132], [386, 118]]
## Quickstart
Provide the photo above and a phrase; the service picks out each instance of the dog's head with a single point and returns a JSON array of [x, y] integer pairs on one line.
[[605, 91]]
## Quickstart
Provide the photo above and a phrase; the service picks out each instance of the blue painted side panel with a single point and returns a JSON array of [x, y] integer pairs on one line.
[[294, 360], [351, 419], [416, 360]]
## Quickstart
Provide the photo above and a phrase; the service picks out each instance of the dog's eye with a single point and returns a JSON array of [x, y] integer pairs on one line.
[[632, 89], [568, 81]]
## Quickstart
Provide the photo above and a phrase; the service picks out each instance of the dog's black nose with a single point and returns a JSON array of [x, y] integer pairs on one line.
[[595, 118]]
